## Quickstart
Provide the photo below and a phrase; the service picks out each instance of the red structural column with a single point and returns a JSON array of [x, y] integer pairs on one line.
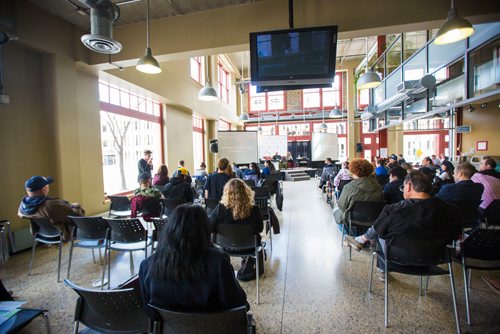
[[382, 141]]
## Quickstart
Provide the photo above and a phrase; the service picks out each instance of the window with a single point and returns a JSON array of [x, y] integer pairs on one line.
[[271, 101], [129, 125], [198, 140], [223, 125], [198, 69], [223, 83], [327, 98]]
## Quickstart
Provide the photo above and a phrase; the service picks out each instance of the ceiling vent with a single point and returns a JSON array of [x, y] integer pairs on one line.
[[103, 13]]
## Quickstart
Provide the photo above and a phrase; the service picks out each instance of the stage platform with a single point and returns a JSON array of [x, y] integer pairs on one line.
[[298, 174]]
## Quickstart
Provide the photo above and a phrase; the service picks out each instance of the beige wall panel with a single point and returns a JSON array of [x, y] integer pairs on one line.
[[485, 125], [179, 138]]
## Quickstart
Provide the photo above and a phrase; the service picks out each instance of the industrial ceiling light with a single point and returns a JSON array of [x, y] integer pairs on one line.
[[370, 79], [335, 113], [207, 93], [148, 64], [323, 127], [454, 29], [244, 117]]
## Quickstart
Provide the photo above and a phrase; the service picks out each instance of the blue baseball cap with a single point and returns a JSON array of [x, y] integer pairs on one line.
[[35, 183]]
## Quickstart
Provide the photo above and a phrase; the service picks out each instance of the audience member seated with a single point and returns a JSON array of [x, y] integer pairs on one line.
[[268, 168], [392, 193], [146, 200], [447, 170], [381, 172], [178, 188], [181, 165], [490, 179], [437, 183], [393, 161], [252, 173], [237, 171], [401, 159], [161, 177], [464, 189], [215, 183], [427, 162], [435, 161], [408, 167], [418, 213], [277, 157], [343, 174], [201, 173], [363, 187], [39, 205], [237, 207], [186, 273], [328, 170]]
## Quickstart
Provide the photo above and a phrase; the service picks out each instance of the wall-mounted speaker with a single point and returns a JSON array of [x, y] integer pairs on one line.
[[214, 146], [359, 148]]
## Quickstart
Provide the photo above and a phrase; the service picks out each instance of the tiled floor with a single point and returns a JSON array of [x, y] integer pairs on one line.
[[310, 286]]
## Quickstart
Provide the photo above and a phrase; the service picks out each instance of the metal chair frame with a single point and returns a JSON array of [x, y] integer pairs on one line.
[[119, 206], [263, 204], [47, 233]]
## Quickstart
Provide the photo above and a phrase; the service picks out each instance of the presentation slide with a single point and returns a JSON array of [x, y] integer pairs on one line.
[[324, 145], [269, 145], [239, 146]]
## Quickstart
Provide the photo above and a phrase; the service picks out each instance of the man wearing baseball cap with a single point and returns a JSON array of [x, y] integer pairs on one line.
[[393, 161], [38, 205]]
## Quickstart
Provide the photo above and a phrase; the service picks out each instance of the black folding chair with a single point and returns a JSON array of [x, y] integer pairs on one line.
[[109, 311], [233, 321], [46, 233], [362, 215], [159, 225], [263, 204], [239, 240], [88, 232], [211, 204], [261, 192], [250, 183], [119, 207], [469, 213], [418, 255], [126, 235], [491, 214], [481, 250], [169, 205]]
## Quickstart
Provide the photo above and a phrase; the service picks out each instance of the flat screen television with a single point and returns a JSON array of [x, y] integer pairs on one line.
[[303, 56], [265, 89]]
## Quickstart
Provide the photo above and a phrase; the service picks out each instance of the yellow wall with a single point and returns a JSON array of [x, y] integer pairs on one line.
[[179, 138], [485, 125]]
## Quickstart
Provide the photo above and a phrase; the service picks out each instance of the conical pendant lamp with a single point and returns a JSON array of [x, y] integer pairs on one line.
[[454, 29], [207, 93], [370, 79], [148, 64]]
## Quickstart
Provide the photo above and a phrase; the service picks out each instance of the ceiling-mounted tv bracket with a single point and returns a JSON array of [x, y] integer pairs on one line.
[[290, 14]]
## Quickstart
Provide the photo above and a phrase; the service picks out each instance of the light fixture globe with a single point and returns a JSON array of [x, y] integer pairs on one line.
[[148, 64], [335, 113], [454, 29], [369, 80], [323, 127], [244, 117], [207, 93]]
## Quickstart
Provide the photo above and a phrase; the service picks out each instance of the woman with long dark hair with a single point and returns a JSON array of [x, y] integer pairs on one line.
[[161, 177], [252, 173], [186, 272]]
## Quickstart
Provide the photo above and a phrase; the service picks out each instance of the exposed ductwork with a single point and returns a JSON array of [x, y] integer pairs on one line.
[[103, 13]]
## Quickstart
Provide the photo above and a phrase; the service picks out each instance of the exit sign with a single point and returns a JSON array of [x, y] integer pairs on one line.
[[463, 128]]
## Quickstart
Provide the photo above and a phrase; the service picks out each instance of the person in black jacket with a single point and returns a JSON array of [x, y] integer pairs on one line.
[[392, 194], [464, 189], [186, 273], [215, 182], [178, 188], [145, 165], [237, 207], [419, 212]]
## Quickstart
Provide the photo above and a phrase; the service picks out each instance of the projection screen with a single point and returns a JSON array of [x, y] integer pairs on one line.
[[239, 146], [324, 145]]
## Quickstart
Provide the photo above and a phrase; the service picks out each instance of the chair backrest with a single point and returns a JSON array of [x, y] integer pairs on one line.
[[250, 183], [274, 176], [233, 321], [364, 213], [169, 205], [468, 211], [483, 244], [492, 212], [110, 311], [119, 203], [45, 228], [211, 203], [159, 224], [126, 230], [342, 184], [418, 250], [235, 236], [90, 228], [263, 204], [261, 192]]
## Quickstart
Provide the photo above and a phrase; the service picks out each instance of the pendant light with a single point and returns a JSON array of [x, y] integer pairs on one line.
[[259, 128], [454, 29], [323, 127], [370, 79], [335, 113], [148, 64], [207, 93]]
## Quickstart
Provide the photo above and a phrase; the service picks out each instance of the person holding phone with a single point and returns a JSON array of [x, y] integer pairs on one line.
[[145, 165]]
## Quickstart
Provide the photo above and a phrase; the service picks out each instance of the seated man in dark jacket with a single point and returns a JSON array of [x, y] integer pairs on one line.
[[146, 200], [178, 188], [392, 193], [328, 170], [419, 212]]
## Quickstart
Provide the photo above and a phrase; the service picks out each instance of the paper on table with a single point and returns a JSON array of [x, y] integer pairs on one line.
[[10, 305]]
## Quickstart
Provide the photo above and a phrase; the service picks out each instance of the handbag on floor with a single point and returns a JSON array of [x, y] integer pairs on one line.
[[247, 270]]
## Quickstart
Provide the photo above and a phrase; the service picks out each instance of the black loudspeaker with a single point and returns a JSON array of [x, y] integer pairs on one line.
[[214, 146], [359, 147]]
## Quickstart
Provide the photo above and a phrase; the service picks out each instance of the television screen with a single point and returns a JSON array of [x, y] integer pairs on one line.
[[265, 89], [294, 56]]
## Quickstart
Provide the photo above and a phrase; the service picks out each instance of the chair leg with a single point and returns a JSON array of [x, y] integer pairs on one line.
[[420, 286], [45, 316], [59, 260], [426, 285], [131, 263], [371, 273], [258, 274], [32, 255], [469, 278], [70, 257], [452, 282], [93, 255], [75, 327], [103, 264], [350, 252], [466, 288], [342, 236], [100, 257], [270, 235], [386, 296], [109, 266]]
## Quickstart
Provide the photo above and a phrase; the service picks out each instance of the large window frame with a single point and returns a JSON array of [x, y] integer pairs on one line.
[[223, 79], [266, 100], [320, 94], [197, 69], [198, 140]]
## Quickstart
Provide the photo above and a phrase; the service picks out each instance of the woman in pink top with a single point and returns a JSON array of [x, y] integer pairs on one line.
[[343, 174]]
